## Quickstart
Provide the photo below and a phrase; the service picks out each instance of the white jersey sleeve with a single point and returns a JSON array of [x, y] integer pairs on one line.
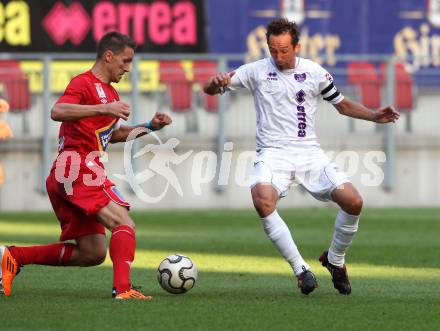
[[244, 77], [327, 87]]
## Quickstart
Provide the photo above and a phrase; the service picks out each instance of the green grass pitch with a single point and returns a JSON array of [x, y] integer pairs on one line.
[[394, 267]]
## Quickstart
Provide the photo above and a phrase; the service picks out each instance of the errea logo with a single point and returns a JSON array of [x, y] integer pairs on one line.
[[272, 76]]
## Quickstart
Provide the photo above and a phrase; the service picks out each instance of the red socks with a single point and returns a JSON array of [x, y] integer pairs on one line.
[[122, 247], [54, 254]]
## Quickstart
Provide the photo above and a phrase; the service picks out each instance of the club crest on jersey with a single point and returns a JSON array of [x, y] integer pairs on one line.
[[329, 77], [272, 76], [100, 90], [104, 134], [300, 77]]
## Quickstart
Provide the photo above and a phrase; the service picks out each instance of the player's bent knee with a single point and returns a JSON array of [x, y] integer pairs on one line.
[[357, 204], [354, 207], [93, 259], [99, 259], [264, 206], [99, 256]]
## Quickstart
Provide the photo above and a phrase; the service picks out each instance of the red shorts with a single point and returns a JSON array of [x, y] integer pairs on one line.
[[76, 211]]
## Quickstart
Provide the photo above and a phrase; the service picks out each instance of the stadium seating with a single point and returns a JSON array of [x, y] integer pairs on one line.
[[179, 92], [369, 82], [203, 70], [179, 89], [364, 77], [15, 86], [403, 92]]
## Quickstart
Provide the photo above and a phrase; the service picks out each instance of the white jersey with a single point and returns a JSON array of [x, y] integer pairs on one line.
[[285, 101]]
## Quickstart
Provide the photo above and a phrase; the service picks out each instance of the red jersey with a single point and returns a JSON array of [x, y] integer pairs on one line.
[[91, 133], [77, 190]]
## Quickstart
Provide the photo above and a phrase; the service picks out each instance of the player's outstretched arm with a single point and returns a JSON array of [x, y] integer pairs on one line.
[[158, 121], [216, 84], [65, 112], [354, 109]]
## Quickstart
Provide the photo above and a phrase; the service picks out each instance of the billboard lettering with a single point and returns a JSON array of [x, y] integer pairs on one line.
[[76, 26]]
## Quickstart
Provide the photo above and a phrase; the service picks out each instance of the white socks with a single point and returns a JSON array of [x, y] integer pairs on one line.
[[278, 232], [346, 226]]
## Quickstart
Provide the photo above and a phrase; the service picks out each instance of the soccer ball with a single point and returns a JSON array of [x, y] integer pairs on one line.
[[177, 274]]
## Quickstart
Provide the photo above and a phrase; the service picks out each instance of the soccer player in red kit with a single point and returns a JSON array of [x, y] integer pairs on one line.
[[90, 111]]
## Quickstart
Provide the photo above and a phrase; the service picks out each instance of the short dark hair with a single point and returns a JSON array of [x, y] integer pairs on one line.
[[115, 42], [283, 25]]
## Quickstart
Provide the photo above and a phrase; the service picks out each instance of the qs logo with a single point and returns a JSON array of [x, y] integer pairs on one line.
[[163, 155]]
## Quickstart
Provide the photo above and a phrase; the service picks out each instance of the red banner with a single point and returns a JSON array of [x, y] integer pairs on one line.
[[76, 26]]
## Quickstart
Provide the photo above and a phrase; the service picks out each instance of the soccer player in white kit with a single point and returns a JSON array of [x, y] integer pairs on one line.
[[286, 89]]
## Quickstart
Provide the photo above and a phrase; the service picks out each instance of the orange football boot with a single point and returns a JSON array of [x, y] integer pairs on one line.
[[10, 269], [133, 294]]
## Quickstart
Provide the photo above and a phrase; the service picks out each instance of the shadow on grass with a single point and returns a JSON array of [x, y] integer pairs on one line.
[[94, 283], [388, 237]]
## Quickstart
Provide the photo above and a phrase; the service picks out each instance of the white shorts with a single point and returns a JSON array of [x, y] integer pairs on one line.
[[307, 166]]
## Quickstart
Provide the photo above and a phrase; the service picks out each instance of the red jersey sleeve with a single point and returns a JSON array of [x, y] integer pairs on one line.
[[75, 92]]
